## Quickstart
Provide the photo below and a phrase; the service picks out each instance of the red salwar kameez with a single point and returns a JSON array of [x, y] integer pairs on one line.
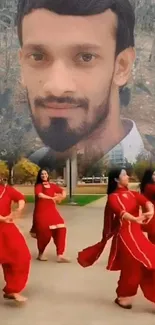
[[131, 252], [14, 253], [47, 222], [149, 193]]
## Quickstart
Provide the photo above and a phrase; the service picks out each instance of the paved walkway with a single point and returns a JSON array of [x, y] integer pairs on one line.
[[69, 294], [100, 203]]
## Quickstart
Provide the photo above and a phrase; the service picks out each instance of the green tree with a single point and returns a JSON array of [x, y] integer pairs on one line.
[[94, 170], [25, 171], [140, 167], [15, 138], [129, 167], [4, 172]]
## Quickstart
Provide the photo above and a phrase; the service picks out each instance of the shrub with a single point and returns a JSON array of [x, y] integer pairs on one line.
[[25, 172]]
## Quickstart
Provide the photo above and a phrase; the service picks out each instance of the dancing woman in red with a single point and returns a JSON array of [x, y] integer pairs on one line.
[[131, 252], [47, 221], [14, 253], [147, 188]]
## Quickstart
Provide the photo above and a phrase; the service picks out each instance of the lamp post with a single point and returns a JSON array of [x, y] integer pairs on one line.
[[71, 177], [70, 181]]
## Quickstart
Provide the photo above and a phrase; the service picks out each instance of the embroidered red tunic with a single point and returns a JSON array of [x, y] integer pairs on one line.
[[45, 212], [149, 193], [128, 232], [8, 195], [13, 247]]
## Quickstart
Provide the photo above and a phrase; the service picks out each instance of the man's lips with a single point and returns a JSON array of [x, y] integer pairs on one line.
[[60, 106], [59, 110]]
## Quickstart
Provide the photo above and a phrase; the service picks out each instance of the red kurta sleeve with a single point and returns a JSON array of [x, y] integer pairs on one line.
[[57, 189], [141, 199], [38, 189], [15, 195], [115, 205]]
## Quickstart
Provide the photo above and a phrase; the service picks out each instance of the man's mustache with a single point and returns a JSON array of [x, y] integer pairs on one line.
[[44, 102]]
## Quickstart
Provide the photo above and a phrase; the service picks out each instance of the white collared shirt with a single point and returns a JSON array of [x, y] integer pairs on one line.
[[130, 147]]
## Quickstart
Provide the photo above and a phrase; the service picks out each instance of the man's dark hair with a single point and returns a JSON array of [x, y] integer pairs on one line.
[[122, 9]]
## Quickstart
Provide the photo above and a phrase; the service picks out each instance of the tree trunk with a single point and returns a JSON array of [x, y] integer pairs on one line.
[[11, 174], [152, 55]]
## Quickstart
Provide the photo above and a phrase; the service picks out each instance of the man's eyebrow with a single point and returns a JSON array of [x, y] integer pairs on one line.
[[33, 46], [87, 46], [74, 46]]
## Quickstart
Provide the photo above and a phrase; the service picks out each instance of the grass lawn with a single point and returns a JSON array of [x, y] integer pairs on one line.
[[80, 200]]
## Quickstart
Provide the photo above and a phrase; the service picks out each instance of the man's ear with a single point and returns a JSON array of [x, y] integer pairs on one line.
[[123, 66]]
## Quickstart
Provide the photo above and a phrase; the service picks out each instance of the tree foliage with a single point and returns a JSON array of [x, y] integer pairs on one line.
[[3, 169], [140, 167], [25, 172], [89, 168], [15, 138]]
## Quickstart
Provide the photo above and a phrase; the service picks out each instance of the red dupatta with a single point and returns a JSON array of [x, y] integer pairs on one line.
[[91, 254]]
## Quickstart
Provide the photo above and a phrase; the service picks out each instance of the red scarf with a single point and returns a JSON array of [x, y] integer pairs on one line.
[[45, 183], [91, 254]]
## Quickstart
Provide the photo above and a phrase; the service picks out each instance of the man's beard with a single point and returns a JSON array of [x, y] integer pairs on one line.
[[60, 137]]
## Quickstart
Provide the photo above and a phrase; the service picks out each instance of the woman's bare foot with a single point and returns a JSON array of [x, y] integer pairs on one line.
[[124, 303], [62, 259], [42, 258], [20, 298], [15, 296]]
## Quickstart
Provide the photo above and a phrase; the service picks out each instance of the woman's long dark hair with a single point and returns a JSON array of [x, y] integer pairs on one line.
[[147, 179], [113, 175], [39, 180]]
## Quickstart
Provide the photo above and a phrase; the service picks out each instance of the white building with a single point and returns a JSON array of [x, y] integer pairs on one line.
[[115, 157]]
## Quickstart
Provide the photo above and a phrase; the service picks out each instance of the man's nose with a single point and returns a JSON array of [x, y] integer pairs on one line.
[[60, 80]]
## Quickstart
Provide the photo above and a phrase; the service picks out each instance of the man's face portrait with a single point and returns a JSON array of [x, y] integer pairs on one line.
[[84, 89], [72, 74]]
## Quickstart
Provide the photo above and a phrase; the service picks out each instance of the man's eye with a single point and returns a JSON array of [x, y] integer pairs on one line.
[[86, 57], [37, 56]]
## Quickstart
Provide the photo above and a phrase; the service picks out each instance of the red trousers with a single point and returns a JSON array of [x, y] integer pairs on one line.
[[16, 277], [59, 237], [134, 275], [14, 257]]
